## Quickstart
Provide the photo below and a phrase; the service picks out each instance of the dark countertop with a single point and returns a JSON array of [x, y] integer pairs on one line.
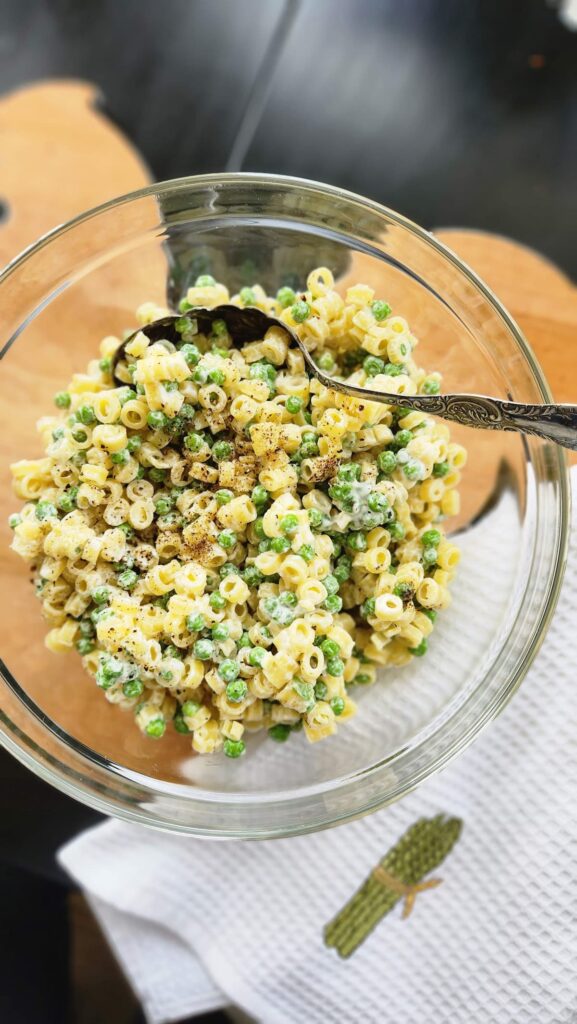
[[452, 112]]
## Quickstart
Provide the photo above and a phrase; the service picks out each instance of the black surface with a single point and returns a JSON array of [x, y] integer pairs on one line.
[[34, 960], [455, 112]]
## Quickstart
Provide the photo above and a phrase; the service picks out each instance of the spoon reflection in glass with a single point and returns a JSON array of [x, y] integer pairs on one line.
[[553, 422]]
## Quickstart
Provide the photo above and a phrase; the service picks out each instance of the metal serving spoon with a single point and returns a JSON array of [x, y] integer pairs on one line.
[[556, 423]]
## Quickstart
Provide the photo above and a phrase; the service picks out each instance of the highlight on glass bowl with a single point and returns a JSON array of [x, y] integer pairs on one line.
[[240, 602]]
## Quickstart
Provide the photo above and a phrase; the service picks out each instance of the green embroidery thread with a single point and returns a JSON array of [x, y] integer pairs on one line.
[[399, 875]]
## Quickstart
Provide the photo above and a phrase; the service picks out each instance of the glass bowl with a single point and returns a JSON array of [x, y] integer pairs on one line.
[[83, 281]]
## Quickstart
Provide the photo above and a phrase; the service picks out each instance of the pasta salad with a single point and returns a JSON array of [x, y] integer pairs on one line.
[[228, 544]]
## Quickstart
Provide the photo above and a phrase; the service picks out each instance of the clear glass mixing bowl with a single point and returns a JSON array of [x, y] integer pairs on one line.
[[83, 281]]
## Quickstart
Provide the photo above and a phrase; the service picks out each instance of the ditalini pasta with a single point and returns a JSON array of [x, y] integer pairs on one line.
[[228, 544]]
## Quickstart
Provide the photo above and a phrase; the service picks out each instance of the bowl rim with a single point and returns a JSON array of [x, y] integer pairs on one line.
[[83, 789]]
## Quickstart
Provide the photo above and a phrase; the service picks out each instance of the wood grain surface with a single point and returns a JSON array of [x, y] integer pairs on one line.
[[60, 156]]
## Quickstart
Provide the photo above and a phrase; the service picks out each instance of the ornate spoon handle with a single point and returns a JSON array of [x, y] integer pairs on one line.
[[556, 423]]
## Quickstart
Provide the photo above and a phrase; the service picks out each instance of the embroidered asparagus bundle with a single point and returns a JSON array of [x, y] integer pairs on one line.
[[399, 875]]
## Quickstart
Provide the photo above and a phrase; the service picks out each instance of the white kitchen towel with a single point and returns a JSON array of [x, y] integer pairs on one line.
[[199, 924]]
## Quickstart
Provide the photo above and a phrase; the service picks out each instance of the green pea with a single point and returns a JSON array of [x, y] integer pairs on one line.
[[288, 599], [377, 502], [279, 732], [216, 601], [194, 442], [280, 545], [307, 552], [58, 434], [234, 748], [330, 648], [244, 640], [156, 419], [349, 472], [420, 650], [396, 530], [331, 584], [326, 362], [289, 524], [120, 458], [134, 443], [224, 496], [67, 501], [431, 538], [156, 727], [14, 520], [62, 400], [259, 496], [216, 376], [219, 328], [203, 649], [252, 576], [321, 691], [300, 311], [294, 404], [308, 449], [380, 310], [105, 365], [333, 603], [220, 631], [132, 688], [356, 541], [412, 469], [394, 369], [441, 469], [247, 297], [205, 281], [85, 645], [335, 666], [401, 439], [338, 705], [316, 518], [368, 607], [80, 436], [305, 691], [285, 297], [363, 679], [236, 691], [190, 708], [342, 573], [404, 590], [191, 354], [264, 371], [222, 450], [228, 569], [373, 365], [100, 595], [127, 579], [430, 613], [45, 510], [256, 657], [430, 556], [179, 724], [430, 386], [227, 539], [86, 415], [194, 623], [200, 375]]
